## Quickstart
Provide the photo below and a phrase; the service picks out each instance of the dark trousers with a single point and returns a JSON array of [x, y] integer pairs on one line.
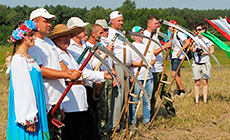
[[76, 126], [93, 114], [166, 103]]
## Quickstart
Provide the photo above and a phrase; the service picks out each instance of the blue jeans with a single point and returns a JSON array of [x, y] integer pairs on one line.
[[146, 107], [175, 63]]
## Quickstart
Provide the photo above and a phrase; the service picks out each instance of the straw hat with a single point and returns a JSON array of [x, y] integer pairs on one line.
[[61, 29]]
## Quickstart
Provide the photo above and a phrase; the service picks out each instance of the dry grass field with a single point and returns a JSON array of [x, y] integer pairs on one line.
[[206, 121]]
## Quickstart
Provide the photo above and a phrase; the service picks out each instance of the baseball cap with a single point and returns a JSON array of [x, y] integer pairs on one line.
[[41, 12], [76, 21], [173, 22], [115, 14], [137, 29], [103, 23]]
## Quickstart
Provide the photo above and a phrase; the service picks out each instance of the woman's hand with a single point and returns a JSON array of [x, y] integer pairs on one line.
[[31, 127]]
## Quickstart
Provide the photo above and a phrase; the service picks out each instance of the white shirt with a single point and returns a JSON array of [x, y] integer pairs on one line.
[[77, 94], [158, 66], [75, 50], [45, 53], [136, 58], [118, 50], [24, 96], [206, 43], [182, 37]]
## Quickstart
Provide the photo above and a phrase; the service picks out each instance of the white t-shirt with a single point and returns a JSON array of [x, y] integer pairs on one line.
[[182, 37], [118, 50], [45, 53], [206, 43], [136, 58], [158, 66], [75, 50]]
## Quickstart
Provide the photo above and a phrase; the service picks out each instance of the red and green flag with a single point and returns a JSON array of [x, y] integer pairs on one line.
[[222, 26], [218, 42]]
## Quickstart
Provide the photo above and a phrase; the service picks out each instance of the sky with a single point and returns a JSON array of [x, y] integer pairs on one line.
[[113, 4]]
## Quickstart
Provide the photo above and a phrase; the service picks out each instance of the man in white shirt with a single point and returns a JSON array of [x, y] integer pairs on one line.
[[76, 47], [100, 89], [75, 115], [117, 98], [141, 77], [153, 24], [53, 68]]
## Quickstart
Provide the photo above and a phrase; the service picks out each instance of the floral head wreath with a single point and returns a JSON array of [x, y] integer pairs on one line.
[[23, 30]]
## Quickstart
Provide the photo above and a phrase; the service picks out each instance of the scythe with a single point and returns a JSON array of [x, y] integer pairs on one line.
[[103, 49]]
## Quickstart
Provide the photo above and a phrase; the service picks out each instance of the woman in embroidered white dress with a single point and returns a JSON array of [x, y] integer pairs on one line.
[[27, 117]]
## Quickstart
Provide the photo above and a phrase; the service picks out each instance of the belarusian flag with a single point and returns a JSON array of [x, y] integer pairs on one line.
[[222, 26]]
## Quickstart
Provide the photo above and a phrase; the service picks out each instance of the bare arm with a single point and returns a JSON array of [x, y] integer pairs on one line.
[[187, 42], [63, 66], [53, 74], [165, 46], [153, 62], [193, 48], [184, 47], [137, 64], [56, 74], [211, 49]]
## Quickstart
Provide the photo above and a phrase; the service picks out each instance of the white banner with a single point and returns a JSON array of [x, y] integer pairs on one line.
[[223, 24]]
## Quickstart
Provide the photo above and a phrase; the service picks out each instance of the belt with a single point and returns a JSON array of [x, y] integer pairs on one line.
[[200, 63], [76, 82]]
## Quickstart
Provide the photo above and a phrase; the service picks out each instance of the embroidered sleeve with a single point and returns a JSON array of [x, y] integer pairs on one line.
[[24, 96], [30, 121]]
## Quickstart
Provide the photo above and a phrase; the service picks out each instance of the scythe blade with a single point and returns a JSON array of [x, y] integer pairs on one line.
[[120, 37], [162, 35], [108, 68], [124, 67], [137, 34]]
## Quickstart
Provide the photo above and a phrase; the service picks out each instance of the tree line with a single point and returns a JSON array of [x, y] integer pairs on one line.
[[188, 18]]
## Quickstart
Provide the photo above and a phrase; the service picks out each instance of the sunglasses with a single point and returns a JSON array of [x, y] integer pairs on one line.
[[199, 29]]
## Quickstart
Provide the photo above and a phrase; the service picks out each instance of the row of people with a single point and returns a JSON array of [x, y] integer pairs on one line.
[[52, 62]]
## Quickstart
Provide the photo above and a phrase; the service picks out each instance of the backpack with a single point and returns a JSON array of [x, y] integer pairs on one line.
[[189, 54]]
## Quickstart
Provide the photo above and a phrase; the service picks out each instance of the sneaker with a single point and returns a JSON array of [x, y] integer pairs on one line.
[[181, 92]]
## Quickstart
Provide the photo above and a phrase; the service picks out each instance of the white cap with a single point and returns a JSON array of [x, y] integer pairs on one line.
[[41, 12], [76, 21], [115, 14], [103, 23]]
